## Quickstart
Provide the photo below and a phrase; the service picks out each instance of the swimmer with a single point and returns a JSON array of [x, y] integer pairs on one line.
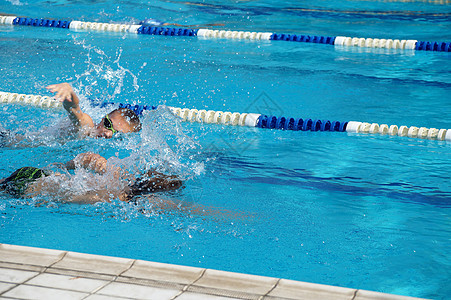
[[120, 120], [28, 182]]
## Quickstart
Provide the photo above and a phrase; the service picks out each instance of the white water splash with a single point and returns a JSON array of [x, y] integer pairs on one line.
[[15, 2], [166, 145], [104, 76]]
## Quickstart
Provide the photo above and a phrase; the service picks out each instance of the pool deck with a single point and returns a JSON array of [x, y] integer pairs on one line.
[[36, 273]]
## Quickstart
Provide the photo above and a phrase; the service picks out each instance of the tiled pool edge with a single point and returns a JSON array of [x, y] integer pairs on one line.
[[87, 276]]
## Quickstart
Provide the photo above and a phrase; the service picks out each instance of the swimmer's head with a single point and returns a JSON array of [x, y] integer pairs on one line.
[[120, 120], [151, 182]]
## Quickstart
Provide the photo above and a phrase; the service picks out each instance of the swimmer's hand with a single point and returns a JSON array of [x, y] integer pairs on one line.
[[90, 161], [93, 161], [66, 94]]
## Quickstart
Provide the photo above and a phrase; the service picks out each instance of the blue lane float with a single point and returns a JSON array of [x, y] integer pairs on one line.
[[299, 124], [41, 22], [251, 119], [227, 34], [154, 30]]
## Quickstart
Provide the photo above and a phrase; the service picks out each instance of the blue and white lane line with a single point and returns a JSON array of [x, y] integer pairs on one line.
[[227, 34], [254, 120]]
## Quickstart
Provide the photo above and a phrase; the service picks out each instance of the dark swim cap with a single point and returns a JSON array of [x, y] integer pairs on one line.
[[151, 22]]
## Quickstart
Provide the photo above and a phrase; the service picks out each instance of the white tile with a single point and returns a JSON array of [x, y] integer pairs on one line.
[[5, 286], [291, 289], [40, 293], [29, 255], [94, 263], [15, 276], [196, 296], [101, 297], [137, 291], [67, 282], [163, 272], [236, 282]]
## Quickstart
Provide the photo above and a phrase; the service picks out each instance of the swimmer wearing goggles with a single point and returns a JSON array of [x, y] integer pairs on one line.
[[120, 120]]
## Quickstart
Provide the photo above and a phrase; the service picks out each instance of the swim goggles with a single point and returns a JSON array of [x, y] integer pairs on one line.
[[108, 124]]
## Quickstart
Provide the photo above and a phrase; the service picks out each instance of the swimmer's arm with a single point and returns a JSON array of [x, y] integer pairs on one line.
[[66, 94], [92, 197], [166, 205]]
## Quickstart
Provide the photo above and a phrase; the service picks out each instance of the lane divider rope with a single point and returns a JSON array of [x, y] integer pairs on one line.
[[253, 120], [35, 100], [412, 131], [227, 34]]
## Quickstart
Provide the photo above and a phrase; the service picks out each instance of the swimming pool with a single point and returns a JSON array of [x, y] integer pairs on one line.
[[354, 210]]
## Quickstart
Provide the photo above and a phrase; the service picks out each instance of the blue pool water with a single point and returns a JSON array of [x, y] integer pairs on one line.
[[353, 210]]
